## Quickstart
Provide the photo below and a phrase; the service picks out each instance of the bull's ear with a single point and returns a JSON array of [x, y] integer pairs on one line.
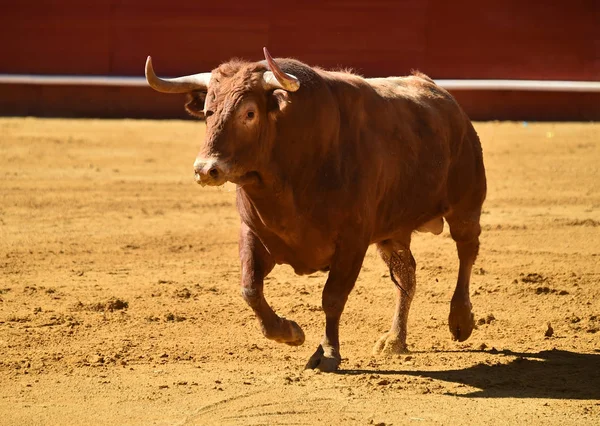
[[195, 103], [279, 100]]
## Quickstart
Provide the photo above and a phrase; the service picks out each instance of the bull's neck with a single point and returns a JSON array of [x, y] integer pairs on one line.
[[269, 200], [268, 188], [281, 180]]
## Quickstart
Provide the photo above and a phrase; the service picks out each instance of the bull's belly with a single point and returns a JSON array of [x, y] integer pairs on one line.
[[305, 259], [306, 254]]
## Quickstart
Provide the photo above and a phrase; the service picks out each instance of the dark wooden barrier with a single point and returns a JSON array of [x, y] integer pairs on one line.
[[140, 102]]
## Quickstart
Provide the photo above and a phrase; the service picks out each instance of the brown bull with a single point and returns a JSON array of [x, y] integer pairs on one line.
[[327, 163]]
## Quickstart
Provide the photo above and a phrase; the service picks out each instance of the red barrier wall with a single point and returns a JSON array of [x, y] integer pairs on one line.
[[552, 40]]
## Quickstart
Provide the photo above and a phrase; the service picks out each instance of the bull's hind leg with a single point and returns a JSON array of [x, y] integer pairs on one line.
[[256, 265], [402, 266], [465, 230]]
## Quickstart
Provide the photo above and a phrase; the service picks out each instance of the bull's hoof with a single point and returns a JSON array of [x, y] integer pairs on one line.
[[325, 361], [295, 335], [461, 320], [390, 344], [286, 331]]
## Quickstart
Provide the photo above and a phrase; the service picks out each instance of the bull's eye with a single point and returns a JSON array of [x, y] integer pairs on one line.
[[208, 113], [250, 115]]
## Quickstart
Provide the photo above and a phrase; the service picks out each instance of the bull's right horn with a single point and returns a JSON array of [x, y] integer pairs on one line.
[[183, 84], [276, 78]]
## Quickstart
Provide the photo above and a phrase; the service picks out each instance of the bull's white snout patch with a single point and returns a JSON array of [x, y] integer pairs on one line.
[[201, 164], [210, 171]]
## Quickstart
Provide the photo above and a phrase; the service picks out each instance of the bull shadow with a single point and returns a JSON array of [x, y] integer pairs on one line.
[[553, 374]]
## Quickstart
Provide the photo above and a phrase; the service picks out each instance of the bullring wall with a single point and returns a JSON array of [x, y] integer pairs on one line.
[[549, 40]]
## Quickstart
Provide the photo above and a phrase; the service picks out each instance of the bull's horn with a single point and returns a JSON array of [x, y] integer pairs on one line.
[[184, 84], [276, 78]]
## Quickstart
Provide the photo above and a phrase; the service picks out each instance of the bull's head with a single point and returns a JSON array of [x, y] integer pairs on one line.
[[240, 102]]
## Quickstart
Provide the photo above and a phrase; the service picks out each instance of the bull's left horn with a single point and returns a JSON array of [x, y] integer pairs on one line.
[[276, 78], [183, 84]]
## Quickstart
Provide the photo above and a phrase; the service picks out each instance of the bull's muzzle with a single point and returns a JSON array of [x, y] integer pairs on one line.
[[209, 172]]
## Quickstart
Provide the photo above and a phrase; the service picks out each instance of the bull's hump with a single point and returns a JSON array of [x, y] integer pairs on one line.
[[397, 87]]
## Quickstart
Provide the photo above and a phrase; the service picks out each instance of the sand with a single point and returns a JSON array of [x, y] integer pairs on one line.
[[120, 301]]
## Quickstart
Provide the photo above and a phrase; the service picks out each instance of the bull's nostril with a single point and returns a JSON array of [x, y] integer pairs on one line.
[[214, 173]]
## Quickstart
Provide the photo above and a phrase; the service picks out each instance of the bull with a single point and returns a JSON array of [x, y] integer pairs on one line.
[[327, 163]]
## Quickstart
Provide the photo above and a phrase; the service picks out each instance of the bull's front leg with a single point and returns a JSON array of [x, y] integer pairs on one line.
[[344, 270], [256, 265]]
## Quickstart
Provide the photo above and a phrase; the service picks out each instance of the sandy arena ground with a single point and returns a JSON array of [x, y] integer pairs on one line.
[[120, 304]]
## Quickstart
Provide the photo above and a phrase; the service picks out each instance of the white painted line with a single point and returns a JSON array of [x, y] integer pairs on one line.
[[518, 85], [72, 80], [528, 85]]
